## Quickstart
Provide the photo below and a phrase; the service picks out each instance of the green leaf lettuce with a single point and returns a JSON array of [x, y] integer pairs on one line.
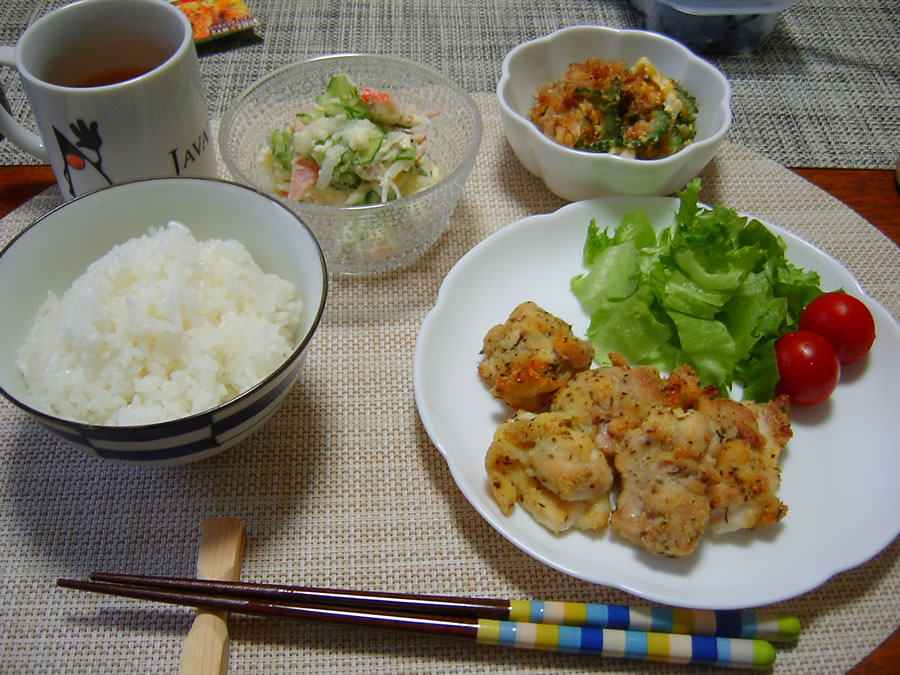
[[713, 290]]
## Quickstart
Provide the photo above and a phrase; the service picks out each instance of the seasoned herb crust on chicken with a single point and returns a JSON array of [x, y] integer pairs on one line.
[[530, 356], [553, 469], [683, 459]]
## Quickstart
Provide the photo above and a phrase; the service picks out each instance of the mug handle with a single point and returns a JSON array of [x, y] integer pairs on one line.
[[17, 134]]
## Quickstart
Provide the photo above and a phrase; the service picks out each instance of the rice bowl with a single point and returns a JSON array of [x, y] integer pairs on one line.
[[57, 248], [161, 327]]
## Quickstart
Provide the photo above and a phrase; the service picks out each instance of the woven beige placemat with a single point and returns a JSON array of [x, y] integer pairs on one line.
[[343, 487]]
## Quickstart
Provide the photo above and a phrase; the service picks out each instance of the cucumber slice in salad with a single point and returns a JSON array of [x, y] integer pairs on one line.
[[341, 96], [282, 144], [368, 154]]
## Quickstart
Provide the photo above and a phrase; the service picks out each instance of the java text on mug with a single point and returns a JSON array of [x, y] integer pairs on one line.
[[115, 89]]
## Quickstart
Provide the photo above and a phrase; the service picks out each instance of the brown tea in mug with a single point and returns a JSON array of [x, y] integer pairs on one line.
[[111, 76], [117, 60]]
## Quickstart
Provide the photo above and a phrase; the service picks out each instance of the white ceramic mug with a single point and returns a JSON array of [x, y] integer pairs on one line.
[[116, 91]]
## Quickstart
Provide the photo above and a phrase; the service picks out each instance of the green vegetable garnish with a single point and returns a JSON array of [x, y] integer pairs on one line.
[[713, 290], [342, 97], [607, 126], [282, 144], [660, 124]]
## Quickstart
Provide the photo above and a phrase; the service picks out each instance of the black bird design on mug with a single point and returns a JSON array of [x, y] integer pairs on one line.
[[74, 158]]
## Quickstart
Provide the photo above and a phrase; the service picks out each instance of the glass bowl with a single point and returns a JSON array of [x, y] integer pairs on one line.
[[717, 26], [359, 240]]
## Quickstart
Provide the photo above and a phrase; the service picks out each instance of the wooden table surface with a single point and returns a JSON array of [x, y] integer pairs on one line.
[[872, 193]]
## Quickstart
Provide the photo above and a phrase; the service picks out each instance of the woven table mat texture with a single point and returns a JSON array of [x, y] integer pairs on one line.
[[343, 488], [821, 92]]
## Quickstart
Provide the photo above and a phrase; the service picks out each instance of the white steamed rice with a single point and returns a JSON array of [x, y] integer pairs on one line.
[[160, 327]]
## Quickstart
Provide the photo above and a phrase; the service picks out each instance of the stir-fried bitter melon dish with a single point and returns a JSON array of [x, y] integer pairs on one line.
[[356, 146], [605, 106]]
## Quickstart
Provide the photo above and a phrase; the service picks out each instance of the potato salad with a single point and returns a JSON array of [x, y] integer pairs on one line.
[[357, 146]]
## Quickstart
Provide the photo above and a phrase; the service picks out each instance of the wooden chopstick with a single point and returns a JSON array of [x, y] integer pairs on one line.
[[771, 626], [244, 598], [488, 608]]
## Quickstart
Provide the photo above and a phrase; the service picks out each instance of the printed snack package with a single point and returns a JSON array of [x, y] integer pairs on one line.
[[216, 18]]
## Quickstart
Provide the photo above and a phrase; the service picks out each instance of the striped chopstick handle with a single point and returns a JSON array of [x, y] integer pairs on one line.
[[774, 626], [635, 645]]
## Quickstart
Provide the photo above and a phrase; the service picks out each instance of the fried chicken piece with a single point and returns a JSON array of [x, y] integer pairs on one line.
[[683, 388], [530, 356], [613, 394], [687, 459], [546, 463], [663, 505], [742, 493], [714, 466]]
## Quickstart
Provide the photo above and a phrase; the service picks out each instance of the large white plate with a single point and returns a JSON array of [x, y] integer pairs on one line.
[[840, 470]]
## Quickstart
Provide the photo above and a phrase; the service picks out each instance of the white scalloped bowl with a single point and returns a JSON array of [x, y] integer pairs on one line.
[[576, 174]]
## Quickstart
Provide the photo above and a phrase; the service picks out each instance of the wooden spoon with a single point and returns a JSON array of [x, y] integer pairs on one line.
[[221, 553]]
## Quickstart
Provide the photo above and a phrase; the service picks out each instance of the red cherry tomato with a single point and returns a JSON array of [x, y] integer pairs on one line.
[[808, 366], [842, 320]]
